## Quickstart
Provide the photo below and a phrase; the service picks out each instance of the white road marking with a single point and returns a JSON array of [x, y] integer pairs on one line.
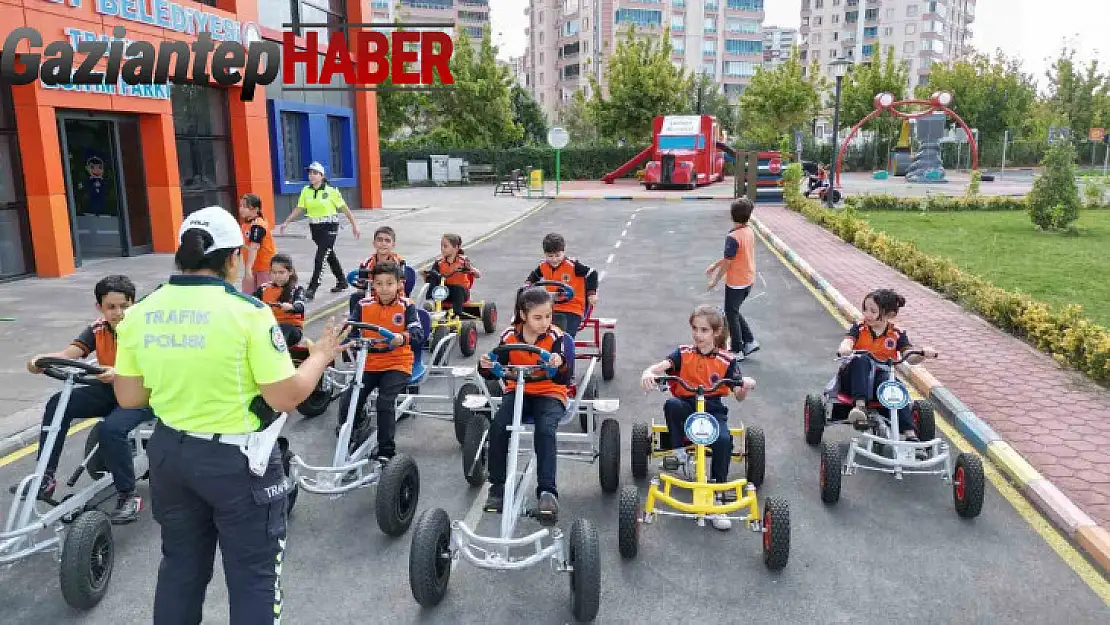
[[610, 259], [757, 296], [624, 232], [601, 276], [761, 279], [617, 245]]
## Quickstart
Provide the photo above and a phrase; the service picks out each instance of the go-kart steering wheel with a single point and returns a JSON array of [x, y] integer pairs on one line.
[[64, 369], [358, 278], [530, 371], [382, 344], [889, 362], [699, 390], [565, 291]]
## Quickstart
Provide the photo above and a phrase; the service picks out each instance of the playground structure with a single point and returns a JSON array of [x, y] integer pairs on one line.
[[901, 155], [685, 150]]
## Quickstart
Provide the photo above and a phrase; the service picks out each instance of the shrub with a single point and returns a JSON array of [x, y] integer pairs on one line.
[[973, 185], [934, 203], [791, 183], [1093, 190], [1053, 203]]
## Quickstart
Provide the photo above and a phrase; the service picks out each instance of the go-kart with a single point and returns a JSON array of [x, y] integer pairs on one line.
[[438, 542], [445, 320], [398, 479], [702, 430], [74, 526], [327, 389], [601, 345], [881, 447]]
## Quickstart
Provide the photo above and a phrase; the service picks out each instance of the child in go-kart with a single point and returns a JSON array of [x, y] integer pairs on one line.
[[703, 363], [559, 268], [452, 258], [286, 299], [544, 400], [384, 240], [875, 333], [114, 295], [388, 368]]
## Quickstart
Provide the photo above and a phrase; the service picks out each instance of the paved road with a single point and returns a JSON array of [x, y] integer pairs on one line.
[[888, 553]]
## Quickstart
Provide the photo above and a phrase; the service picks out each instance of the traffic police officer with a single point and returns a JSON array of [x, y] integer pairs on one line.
[[322, 203], [204, 357]]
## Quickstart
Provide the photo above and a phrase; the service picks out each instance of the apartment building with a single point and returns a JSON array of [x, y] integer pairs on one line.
[[921, 33], [777, 43], [472, 15], [570, 39]]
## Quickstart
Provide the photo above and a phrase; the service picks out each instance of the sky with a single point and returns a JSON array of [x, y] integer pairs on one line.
[[1031, 29]]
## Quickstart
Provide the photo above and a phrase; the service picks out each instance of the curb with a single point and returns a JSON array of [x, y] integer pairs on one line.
[[14, 442], [1067, 517]]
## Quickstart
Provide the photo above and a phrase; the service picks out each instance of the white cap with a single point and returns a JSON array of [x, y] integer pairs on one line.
[[317, 167], [219, 224]]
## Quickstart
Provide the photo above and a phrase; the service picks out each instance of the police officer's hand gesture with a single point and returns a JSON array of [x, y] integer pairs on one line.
[[330, 343]]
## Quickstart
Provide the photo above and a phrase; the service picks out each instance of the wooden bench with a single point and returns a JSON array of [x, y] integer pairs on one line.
[[387, 177], [481, 173]]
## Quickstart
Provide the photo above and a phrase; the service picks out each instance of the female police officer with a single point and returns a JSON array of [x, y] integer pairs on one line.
[[322, 202], [204, 357]]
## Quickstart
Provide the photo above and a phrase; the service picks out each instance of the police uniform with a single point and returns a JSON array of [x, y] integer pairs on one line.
[[698, 369], [322, 207], [203, 349], [568, 315], [860, 378]]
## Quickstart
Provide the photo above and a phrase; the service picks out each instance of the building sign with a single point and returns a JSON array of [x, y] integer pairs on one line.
[[1096, 134], [120, 88], [681, 125], [170, 15]]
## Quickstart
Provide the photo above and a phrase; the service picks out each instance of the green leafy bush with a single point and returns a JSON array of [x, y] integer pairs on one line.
[[1053, 203], [973, 185], [934, 203]]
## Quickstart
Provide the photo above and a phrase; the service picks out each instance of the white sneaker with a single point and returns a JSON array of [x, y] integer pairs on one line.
[[749, 348], [719, 521], [857, 416]]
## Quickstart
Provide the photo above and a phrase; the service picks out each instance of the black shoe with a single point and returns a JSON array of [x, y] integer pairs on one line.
[[128, 506], [46, 490], [495, 502], [339, 287], [310, 294], [548, 509]]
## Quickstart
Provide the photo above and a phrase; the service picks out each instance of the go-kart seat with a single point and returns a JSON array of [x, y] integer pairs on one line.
[[419, 367], [446, 304], [410, 280], [846, 400]]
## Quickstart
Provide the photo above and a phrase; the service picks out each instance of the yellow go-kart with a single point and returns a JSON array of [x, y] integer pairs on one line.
[[446, 321], [739, 500]]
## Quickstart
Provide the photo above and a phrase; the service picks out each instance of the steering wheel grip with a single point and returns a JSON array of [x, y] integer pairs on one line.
[[498, 369], [565, 291], [53, 368]]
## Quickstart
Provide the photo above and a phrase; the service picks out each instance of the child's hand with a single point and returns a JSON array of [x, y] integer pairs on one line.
[[592, 299], [647, 380], [286, 306], [281, 229], [484, 362], [31, 364], [930, 352], [556, 360], [108, 376], [741, 392], [397, 341]]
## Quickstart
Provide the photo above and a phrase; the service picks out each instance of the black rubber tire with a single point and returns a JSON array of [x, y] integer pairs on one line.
[[969, 471], [641, 449], [468, 338], [96, 468], [88, 559], [286, 462], [814, 419], [831, 465], [609, 456], [776, 533], [755, 455], [489, 317], [315, 404], [429, 571], [438, 334], [472, 446], [585, 576], [924, 420], [608, 356], [462, 414], [588, 394], [398, 495], [628, 522]]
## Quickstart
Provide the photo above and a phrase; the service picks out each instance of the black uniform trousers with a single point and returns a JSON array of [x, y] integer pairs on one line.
[[324, 235], [203, 493], [390, 384]]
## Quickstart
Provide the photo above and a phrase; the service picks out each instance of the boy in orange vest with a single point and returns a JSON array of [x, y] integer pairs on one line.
[[557, 267], [738, 268]]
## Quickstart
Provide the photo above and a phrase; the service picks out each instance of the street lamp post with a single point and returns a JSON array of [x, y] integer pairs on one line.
[[839, 68]]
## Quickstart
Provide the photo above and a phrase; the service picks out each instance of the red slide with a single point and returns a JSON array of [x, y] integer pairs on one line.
[[610, 177]]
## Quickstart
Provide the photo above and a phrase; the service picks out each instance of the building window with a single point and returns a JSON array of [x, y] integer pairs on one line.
[[746, 5], [907, 48], [570, 28], [709, 48], [709, 24], [339, 139], [890, 13], [475, 32], [911, 29], [888, 31], [740, 68], [743, 46], [709, 69], [294, 137], [679, 45], [678, 22], [202, 130], [911, 10], [302, 133], [871, 31], [737, 25], [640, 17], [15, 257], [868, 49]]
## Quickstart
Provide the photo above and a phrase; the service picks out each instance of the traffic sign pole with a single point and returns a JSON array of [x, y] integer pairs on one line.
[[557, 138], [558, 174]]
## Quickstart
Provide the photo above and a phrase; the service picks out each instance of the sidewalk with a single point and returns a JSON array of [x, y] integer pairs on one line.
[[1056, 419], [49, 313]]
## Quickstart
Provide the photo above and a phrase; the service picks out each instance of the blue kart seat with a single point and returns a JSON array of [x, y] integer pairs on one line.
[[410, 282], [419, 367]]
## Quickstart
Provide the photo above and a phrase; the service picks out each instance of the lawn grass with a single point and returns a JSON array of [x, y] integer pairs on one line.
[[1004, 248]]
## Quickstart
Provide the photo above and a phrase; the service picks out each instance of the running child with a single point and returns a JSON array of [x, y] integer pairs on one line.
[[260, 247], [702, 363], [738, 268], [559, 268], [384, 240], [545, 401], [114, 295], [452, 259], [388, 368], [286, 298]]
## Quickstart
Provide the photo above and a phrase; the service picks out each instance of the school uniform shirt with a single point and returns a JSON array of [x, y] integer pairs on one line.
[[399, 317], [885, 346], [369, 264], [257, 231], [554, 341], [458, 279], [98, 337], [740, 254], [271, 293], [580, 278], [698, 369]]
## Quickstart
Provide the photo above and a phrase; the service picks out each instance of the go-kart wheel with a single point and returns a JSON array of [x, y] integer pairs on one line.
[[609, 456], [439, 334], [924, 420], [286, 465], [95, 466], [398, 494], [831, 466], [585, 574], [474, 447], [462, 414], [755, 455], [88, 558], [468, 338], [608, 356], [316, 403], [968, 485], [430, 557], [776, 533], [641, 449], [489, 317], [589, 394], [814, 413], [628, 522]]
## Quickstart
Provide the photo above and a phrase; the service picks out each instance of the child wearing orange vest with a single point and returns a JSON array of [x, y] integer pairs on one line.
[[384, 240], [260, 247], [738, 268], [285, 298], [452, 258], [557, 267]]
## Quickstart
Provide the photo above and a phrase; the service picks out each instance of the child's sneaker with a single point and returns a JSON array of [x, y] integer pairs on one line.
[[46, 490], [339, 287], [857, 416], [920, 454], [719, 521], [674, 462], [548, 509], [750, 348], [128, 506], [310, 294], [495, 501]]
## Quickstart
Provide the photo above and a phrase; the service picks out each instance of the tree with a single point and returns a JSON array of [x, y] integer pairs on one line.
[[863, 83], [1075, 91], [991, 95], [574, 117], [528, 115], [713, 102], [643, 83], [778, 101], [1054, 201]]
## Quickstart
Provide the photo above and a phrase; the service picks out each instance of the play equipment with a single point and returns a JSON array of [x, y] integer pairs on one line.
[[882, 448], [685, 152], [901, 155], [73, 527], [759, 176], [702, 430], [445, 320], [438, 542]]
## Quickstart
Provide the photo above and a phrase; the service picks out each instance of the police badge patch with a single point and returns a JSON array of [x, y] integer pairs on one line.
[[277, 339]]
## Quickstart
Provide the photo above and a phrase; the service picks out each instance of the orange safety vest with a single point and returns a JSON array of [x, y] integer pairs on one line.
[[565, 273], [271, 294], [104, 343], [884, 346], [390, 317], [266, 249], [697, 369], [459, 279], [548, 341], [741, 268]]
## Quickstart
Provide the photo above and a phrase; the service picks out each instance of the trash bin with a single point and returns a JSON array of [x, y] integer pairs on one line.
[[418, 171], [439, 168], [454, 169]]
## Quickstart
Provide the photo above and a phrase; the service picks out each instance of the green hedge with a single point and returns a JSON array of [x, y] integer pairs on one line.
[[934, 203]]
